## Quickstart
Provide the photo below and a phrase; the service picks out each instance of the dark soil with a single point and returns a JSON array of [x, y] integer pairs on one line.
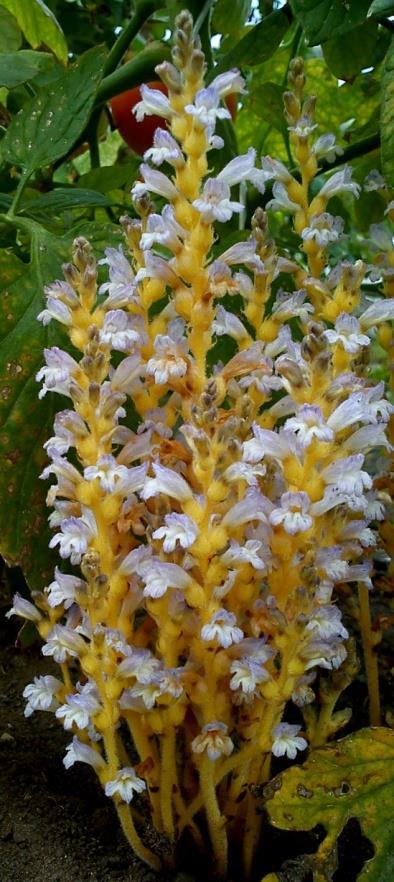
[[57, 825]]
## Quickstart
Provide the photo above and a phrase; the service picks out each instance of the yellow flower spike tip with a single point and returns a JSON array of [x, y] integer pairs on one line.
[[206, 543]]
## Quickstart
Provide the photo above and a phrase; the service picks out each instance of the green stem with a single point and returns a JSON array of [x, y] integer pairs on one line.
[[144, 10], [202, 16], [18, 194], [92, 136], [139, 70]]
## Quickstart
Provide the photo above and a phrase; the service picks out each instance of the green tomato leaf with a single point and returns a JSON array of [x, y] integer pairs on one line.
[[63, 199], [351, 778], [387, 117], [26, 421], [10, 33], [20, 67], [110, 177], [381, 8], [47, 126], [323, 19], [268, 102], [39, 25], [230, 18], [347, 54], [257, 45]]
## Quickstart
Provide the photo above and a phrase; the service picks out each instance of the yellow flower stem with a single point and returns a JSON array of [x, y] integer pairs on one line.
[[146, 749], [370, 656], [168, 780], [66, 676], [144, 853], [216, 821]]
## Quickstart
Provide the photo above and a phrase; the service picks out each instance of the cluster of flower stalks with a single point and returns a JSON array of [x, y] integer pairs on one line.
[[211, 485]]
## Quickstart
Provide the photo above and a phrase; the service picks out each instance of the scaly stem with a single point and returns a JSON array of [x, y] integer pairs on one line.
[[168, 780], [216, 821], [370, 657]]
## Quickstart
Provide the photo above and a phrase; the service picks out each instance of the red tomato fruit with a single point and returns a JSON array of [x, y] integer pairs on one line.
[[139, 135]]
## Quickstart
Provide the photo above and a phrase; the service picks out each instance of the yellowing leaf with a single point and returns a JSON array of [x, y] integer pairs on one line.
[[39, 25], [351, 778]]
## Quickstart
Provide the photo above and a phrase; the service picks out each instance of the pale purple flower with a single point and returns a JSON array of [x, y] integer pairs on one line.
[[265, 443], [155, 182], [78, 709], [108, 473], [23, 608], [347, 476], [121, 289], [293, 513], [247, 674], [326, 147], [153, 103], [214, 740], [57, 373], [77, 752], [62, 643], [348, 333], [254, 506], [239, 169], [165, 149], [228, 82], [309, 424], [55, 309], [227, 323], [281, 200], [141, 664], [324, 229], [126, 377], [360, 531], [163, 229], [243, 252], [170, 358], [273, 168], [207, 108], [303, 127], [367, 437], [166, 481], [379, 311], [288, 306], [222, 629], [159, 576], [121, 331], [340, 182], [63, 590], [214, 203], [62, 290], [75, 536], [287, 741], [374, 181], [244, 471], [325, 622], [141, 696], [125, 784], [178, 528], [248, 553], [41, 694]]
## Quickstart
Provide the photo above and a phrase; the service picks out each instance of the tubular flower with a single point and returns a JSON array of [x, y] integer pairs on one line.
[[211, 504]]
